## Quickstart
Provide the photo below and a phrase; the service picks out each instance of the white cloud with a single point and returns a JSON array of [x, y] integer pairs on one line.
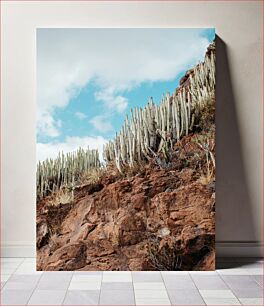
[[117, 60], [48, 125], [101, 124], [51, 149], [80, 115], [111, 100]]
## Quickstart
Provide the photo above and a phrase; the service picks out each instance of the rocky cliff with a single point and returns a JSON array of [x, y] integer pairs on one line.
[[157, 215], [157, 218]]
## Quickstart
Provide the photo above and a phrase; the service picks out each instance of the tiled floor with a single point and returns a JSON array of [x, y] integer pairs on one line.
[[235, 282]]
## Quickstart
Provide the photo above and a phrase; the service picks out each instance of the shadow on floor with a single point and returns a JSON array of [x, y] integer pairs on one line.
[[224, 263]]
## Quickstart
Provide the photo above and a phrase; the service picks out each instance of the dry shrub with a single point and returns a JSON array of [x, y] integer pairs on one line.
[[206, 178], [136, 169], [207, 115], [90, 177], [62, 196], [165, 258], [206, 144]]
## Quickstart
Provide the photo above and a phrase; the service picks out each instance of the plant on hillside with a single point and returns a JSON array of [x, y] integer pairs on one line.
[[155, 128], [163, 259], [149, 133], [62, 196], [65, 170]]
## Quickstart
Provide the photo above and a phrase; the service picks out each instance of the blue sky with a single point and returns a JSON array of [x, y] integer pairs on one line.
[[88, 79]]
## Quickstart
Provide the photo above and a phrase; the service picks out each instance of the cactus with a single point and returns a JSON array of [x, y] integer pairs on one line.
[[65, 170], [148, 131], [151, 129]]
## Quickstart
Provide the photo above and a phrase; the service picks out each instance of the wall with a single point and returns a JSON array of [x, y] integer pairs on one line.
[[239, 106]]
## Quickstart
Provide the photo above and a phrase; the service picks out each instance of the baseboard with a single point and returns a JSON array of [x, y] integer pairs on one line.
[[239, 249], [223, 249]]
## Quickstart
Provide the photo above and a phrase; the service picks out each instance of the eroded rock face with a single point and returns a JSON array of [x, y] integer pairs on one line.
[[42, 233], [68, 257], [158, 217], [155, 220]]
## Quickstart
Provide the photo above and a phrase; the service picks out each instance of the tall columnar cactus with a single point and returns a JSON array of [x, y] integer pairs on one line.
[[150, 129], [65, 170]]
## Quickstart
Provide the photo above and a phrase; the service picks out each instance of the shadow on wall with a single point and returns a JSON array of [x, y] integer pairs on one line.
[[234, 216]]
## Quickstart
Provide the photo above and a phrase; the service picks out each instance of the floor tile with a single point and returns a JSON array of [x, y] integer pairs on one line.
[[151, 294], [85, 286], [149, 286], [255, 271], [146, 276], [54, 281], [24, 278], [81, 297], [117, 286], [87, 278], [47, 297], [87, 272], [150, 302], [258, 279], [240, 282], [242, 276], [117, 277], [185, 297], [53, 285], [251, 301], [222, 301], [232, 271], [5, 277], [117, 297], [178, 282], [57, 274], [211, 273], [209, 282], [27, 268], [248, 293], [27, 272], [15, 297], [20, 285], [217, 294], [177, 273]]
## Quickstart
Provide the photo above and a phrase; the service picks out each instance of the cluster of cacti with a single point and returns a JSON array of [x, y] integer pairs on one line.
[[65, 170], [156, 127], [150, 130]]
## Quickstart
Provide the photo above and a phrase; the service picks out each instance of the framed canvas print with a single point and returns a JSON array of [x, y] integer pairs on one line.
[[125, 149]]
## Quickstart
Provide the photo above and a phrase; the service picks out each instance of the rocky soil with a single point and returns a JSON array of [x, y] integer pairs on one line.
[[160, 216], [157, 216]]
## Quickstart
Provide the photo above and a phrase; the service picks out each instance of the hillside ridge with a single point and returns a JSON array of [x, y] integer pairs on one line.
[[149, 209]]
